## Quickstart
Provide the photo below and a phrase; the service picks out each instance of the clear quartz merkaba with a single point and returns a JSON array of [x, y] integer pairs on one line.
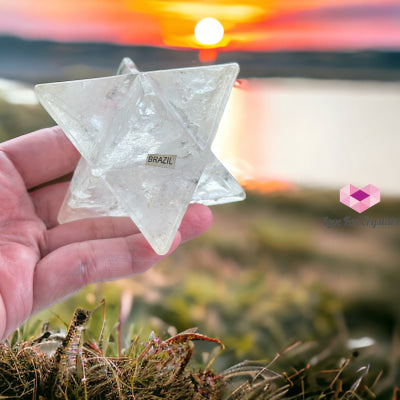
[[145, 140]]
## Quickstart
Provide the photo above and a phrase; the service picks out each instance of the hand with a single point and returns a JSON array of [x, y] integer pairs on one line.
[[42, 262]]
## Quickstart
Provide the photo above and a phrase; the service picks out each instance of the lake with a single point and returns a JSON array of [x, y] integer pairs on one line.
[[319, 133]]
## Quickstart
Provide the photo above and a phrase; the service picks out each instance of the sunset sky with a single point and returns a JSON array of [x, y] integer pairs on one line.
[[260, 25]]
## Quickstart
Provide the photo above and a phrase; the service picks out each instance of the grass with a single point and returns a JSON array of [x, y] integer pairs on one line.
[[266, 275], [69, 366], [17, 120], [54, 366]]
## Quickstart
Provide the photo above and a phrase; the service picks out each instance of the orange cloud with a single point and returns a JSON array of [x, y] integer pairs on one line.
[[249, 25]]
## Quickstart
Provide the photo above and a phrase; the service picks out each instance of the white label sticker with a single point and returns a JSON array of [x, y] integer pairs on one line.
[[161, 160]]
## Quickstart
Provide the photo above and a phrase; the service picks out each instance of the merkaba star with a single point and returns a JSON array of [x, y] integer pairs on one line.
[[145, 140]]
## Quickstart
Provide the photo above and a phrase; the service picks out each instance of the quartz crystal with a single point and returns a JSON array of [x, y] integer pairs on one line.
[[145, 140]]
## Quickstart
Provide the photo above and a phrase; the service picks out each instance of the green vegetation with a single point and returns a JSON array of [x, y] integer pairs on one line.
[[72, 368], [21, 119], [54, 366], [267, 274]]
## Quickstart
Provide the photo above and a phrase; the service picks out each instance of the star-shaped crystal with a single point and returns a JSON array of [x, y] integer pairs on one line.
[[145, 140]]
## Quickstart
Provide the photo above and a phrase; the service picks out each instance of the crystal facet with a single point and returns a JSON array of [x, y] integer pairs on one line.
[[145, 140]]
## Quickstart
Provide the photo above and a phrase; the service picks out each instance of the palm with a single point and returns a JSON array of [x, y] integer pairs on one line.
[[41, 261]]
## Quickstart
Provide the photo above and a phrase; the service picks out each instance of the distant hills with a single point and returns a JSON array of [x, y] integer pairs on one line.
[[45, 61]]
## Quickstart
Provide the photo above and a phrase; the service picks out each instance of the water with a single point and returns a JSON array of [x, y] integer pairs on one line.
[[314, 133], [17, 93]]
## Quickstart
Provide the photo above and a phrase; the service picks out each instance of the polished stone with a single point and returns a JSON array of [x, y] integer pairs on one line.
[[145, 140]]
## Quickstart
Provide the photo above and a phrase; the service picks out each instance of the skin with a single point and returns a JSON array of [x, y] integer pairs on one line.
[[42, 262]]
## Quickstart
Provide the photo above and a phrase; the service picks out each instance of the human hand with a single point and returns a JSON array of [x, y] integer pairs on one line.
[[42, 262]]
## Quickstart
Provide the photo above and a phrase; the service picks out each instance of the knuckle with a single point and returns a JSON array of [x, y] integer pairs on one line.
[[87, 265]]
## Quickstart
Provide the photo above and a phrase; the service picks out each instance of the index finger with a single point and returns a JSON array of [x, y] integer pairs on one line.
[[41, 156], [70, 268]]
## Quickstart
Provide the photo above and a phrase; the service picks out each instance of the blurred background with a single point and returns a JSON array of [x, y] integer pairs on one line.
[[315, 108]]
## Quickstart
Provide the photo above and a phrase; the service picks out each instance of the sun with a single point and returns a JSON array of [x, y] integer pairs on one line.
[[209, 31]]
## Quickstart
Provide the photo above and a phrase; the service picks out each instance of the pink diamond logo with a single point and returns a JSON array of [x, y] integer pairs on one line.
[[360, 199]]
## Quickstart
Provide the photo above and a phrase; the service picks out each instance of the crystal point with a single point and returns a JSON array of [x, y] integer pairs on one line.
[[145, 140]]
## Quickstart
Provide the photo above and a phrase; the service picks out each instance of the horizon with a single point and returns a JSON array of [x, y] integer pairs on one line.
[[330, 25], [197, 50], [41, 60]]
